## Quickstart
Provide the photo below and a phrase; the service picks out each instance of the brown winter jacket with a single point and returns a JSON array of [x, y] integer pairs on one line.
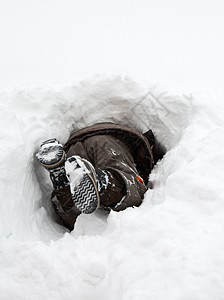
[[122, 151]]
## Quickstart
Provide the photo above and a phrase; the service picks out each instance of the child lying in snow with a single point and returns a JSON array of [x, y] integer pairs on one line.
[[104, 165]]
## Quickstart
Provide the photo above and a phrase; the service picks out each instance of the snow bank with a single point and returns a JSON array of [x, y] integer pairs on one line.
[[171, 247]]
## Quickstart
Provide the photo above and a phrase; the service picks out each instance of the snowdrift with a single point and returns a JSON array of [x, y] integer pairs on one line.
[[171, 247]]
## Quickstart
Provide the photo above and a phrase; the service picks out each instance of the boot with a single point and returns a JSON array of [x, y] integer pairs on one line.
[[86, 183], [52, 156]]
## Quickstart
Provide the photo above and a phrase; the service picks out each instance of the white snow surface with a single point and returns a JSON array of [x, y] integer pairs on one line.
[[171, 247]]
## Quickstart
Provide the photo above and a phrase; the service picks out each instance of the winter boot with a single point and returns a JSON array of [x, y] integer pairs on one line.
[[52, 156], [86, 183]]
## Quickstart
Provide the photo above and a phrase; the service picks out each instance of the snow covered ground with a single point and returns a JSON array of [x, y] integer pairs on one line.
[[169, 248], [172, 246]]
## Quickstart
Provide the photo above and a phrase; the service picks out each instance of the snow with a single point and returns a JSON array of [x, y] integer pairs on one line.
[[171, 247], [50, 152], [74, 173]]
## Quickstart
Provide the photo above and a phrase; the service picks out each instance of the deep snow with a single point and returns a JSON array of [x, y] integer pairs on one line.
[[171, 247]]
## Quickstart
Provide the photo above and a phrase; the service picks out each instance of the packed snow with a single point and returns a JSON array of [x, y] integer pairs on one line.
[[171, 247], [161, 67], [75, 171], [50, 152]]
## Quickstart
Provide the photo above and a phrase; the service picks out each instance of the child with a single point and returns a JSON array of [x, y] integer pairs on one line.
[[104, 165]]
